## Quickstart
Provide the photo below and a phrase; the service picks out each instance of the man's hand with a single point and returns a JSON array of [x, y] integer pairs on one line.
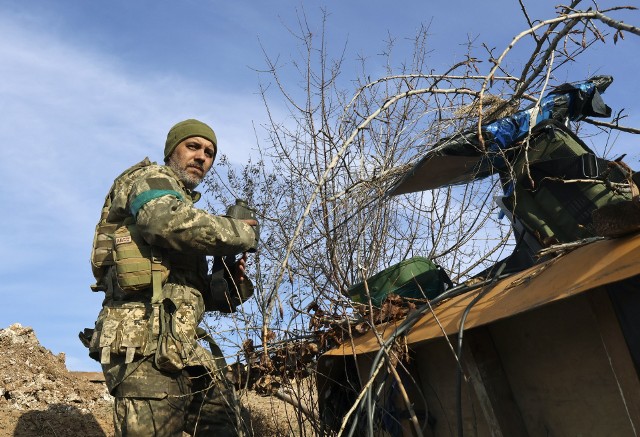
[[239, 268]]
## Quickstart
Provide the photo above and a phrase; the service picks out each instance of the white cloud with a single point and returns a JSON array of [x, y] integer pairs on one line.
[[72, 120]]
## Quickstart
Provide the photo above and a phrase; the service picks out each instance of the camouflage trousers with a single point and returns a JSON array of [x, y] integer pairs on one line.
[[149, 402]]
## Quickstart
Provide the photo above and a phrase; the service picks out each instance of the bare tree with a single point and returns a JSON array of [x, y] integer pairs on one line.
[[321, 183]]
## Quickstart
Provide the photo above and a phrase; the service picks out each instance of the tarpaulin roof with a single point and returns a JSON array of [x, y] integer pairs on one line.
[[460, 159], [583, 269]]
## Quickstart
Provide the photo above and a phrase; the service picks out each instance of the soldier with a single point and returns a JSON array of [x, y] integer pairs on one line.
[[149, 257]]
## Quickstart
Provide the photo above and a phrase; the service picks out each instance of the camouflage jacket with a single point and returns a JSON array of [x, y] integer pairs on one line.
[[166, 218]]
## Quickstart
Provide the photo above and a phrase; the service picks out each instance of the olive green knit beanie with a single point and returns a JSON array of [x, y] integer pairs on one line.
[[187, 129]]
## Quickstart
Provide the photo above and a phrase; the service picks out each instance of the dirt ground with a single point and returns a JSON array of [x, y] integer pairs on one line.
[[40, 397]]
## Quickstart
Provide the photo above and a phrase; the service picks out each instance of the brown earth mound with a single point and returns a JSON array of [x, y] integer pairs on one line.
[[40, 397]]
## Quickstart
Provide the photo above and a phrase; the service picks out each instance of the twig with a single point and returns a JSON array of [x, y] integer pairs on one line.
[[362, 393], [564, 247], [616, 126], [296, 403], [407, 402]]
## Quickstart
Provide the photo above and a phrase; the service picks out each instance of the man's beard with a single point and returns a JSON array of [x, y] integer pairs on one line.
[[189, 180]]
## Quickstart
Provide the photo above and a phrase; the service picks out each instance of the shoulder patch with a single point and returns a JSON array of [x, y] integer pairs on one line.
[[159, 184]]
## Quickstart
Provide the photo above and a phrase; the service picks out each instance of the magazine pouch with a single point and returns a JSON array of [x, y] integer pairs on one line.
[[176, 335]]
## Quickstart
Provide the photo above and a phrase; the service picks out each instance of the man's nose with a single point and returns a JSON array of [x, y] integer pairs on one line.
[[200, 155]]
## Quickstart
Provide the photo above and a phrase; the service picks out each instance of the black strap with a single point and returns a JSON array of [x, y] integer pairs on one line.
[[218, 282], [586, 166], [218, 356], [445, 281]]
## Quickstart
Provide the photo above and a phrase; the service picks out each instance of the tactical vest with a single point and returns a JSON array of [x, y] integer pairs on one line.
[[138, 265], [164, 327]]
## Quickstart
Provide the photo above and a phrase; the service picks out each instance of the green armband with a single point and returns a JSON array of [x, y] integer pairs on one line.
[[147, 196]]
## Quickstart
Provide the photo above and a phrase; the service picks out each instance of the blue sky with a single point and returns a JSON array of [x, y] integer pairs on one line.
[[89, 88]]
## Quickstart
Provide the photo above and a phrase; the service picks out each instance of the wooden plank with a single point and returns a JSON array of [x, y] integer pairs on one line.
[[559, 372], [485, 401], [618, 355], [436, 368], [491, 384], [569, 275]]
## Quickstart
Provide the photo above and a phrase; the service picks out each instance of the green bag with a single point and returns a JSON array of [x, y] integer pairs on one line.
[[416, 277], [553, 210]]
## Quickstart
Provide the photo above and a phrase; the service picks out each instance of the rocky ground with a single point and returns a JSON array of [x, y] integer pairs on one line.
[[40, 397]]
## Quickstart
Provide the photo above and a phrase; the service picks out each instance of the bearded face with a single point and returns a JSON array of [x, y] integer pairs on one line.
[[191, 160]]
